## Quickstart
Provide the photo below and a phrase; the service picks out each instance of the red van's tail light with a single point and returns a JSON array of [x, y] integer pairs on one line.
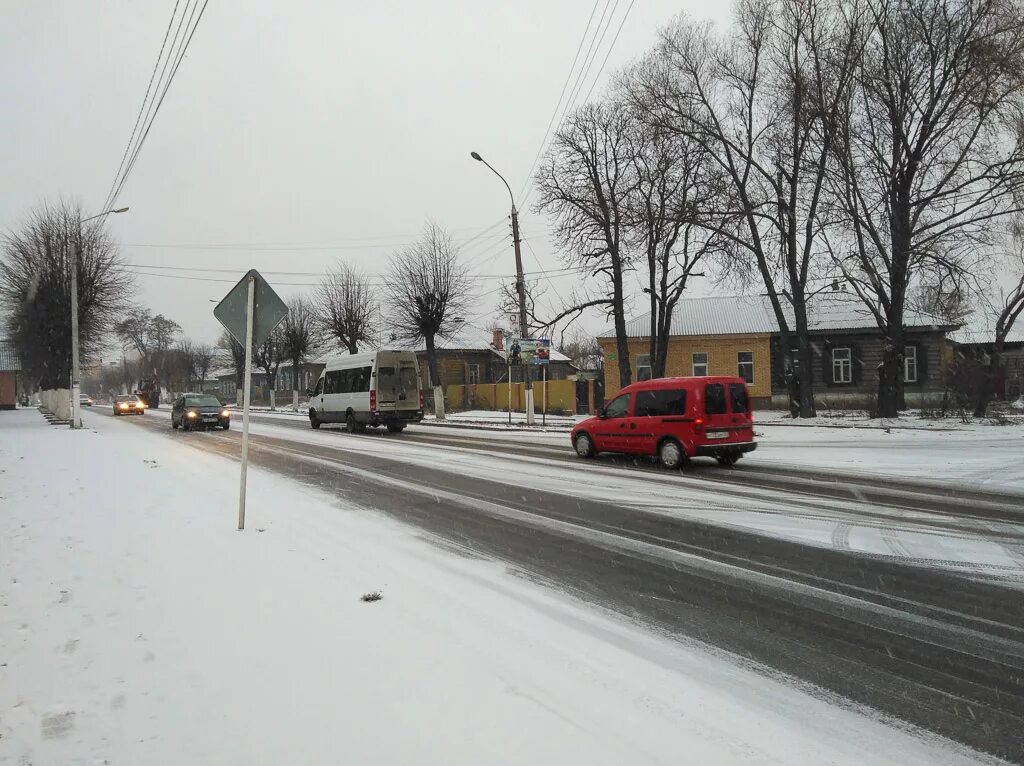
[[698, 423], [373, 400]]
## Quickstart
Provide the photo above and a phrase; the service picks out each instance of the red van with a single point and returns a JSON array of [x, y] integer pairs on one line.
[[675, 419]]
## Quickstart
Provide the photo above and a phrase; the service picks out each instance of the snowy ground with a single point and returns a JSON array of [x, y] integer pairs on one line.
[[137, 626]]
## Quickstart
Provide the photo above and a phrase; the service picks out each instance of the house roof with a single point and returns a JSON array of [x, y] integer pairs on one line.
[[753, 314], [473, 339], [9, 361], [981, 328]]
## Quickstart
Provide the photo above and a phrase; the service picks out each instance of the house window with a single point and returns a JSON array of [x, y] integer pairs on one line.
[[745, 365], [473, 373], [643, 367], [700, 363], [842, 365], [910, 364]]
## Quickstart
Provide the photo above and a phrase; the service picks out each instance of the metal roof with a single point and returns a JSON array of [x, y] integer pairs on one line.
[[753, 315], [9, 361], [981, 328]]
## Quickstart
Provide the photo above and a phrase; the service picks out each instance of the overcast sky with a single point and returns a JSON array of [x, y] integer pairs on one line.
[[341, 126]]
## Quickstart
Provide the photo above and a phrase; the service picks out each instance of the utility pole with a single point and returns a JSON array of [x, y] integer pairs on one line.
[[524, 330], [76, 253], [76, 404]]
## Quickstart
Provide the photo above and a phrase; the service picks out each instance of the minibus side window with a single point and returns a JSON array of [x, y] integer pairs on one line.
[[714, 399]]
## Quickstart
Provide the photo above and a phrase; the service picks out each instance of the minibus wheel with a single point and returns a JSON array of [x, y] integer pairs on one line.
[[350, 423], [313, 421]]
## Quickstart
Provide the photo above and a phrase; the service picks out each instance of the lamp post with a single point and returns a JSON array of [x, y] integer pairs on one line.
[[520, 289], [76, 405]]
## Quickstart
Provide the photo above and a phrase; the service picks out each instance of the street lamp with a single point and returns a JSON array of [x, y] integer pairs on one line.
[[76, 405], [520, 287]]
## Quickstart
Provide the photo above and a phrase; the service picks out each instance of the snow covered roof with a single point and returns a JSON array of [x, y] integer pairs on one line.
[[475, 339], [981, 328], [753, 314], [9, 361]]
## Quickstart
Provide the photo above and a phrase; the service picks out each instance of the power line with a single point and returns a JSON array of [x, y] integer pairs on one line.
[[554, 114], [183, 49], [609, 51], [142, 106], [341, 245], [208, 270], [590, 62]]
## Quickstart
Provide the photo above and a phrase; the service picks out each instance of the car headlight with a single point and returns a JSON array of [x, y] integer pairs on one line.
[[192, 414], [139, 405], [225, 413], [124, 406]]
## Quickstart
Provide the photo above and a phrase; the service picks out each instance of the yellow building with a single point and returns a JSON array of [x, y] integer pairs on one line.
[[709, 336]]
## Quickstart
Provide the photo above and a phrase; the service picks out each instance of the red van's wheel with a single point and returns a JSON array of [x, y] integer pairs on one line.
[[671, 454], [728, 459], [584, 446]]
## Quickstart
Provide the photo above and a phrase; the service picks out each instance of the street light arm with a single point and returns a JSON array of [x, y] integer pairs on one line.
[[499, 175], [106, 212]]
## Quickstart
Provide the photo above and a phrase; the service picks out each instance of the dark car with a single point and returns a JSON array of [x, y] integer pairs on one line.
[[199, 411]]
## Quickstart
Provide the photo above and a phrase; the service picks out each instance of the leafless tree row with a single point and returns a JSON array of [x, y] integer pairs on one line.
[[874, 140]]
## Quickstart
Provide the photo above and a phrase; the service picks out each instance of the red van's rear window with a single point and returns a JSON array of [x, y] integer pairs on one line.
[[663, 402], [714, 399]]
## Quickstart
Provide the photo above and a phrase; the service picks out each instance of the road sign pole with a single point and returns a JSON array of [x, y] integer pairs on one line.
[[249, 312]]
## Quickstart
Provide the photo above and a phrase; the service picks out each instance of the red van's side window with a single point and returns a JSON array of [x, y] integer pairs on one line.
[[714, 399], [738, 399], [663, 402], [617, 407]]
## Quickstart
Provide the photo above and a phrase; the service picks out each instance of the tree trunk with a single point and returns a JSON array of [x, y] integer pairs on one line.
[[272, 402], [986, 390], [352, 347], [295, 400], [805, 383], [619, 318], [890, 376], [435, 379]]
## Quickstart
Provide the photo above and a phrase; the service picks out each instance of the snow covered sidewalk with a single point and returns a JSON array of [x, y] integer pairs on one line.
[[138, 626]]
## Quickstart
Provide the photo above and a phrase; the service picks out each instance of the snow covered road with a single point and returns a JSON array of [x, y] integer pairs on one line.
[[137, 626]]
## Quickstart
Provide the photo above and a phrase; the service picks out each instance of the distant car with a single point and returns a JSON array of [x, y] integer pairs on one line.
[[86, 401], [674, 419], [191, 411], [128, 404]]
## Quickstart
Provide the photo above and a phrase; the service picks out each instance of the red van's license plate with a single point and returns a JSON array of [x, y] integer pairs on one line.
[[717, 434]]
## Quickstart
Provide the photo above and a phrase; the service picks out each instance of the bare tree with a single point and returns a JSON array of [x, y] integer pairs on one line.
[[35, 290], [667, 221], [268, 356], [182, 362], [345, 308], [430, 293], [583, 351], [1006, 312], [583, 183], [763, 102], [930, 154], [235, 355], [298, 338], [203, 355], [151, 337]]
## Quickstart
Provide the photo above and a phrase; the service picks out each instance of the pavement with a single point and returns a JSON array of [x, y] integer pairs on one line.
[[936, 642]]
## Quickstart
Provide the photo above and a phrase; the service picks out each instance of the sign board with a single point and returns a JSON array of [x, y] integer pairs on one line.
[[250, 312], [268, 309], [529, 351]]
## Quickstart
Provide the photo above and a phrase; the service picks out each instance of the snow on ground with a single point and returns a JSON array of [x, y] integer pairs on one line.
[[983, 548], [981, 458], [138, 626]]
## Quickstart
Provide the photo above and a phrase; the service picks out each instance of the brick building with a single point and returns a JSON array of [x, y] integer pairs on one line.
[[739, 335]]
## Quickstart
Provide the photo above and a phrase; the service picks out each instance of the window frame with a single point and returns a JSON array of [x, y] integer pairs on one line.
[[741, 364], [641, 364], [839, 365], [906, 364], [706, 364], [625, 413], [472, 374]]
